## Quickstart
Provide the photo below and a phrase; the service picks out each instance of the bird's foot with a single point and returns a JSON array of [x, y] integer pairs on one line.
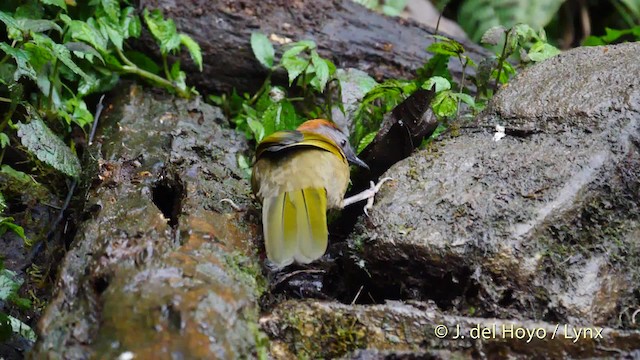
[[368, 195]]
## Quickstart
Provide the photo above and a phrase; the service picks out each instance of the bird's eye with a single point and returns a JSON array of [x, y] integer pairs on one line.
[[343, 143]]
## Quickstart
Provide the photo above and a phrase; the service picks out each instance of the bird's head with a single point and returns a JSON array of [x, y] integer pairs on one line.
[[333, 133]]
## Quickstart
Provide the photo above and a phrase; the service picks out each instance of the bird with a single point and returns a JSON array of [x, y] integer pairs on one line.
[[297, 176]]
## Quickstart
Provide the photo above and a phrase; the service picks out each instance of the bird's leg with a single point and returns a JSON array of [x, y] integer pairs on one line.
[[368, 195]]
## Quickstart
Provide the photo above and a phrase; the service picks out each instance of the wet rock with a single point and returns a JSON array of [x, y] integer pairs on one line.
[[543, 224], [160, 268], [417, 330]]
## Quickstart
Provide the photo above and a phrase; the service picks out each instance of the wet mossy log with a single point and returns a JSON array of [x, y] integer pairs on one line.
[[159, 266]]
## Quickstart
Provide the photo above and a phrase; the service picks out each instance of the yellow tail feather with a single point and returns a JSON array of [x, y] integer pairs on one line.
[[295, 226]]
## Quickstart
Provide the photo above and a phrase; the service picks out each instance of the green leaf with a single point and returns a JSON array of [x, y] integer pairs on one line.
[[6, 331], [38, 25], [593, 41], [445, 46], [3, 206], [112, 9], [113, 32], [288, 116], [97, 84], [164, 31], [477, 16], [294, 66], [262, 49], [321, 70], [21, 58], [131, 23], [438, 65], [439, 82], [393, 7], [143, 61], [465, 98], [47, 147], [178, 76], [17, 175], [194, 49], [633, 6], [271, 118], [366, 140], [444, 104], [83, 51], [542, 51], [9, 282], [22, 329], [86, 31], [297, 47], [9, 20], [4, 141], [6, 223], [245, 165], [60, 52], [59, 3], [77, 112], [505, 74], [256, 128], [31, 9]]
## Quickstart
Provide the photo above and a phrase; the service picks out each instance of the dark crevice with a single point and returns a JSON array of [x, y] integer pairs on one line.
[[443, 289], [167, 194], [507, 298], [351, 281], [100, 284]]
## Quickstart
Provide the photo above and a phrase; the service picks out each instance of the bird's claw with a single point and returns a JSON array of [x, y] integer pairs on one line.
[[372, 191]]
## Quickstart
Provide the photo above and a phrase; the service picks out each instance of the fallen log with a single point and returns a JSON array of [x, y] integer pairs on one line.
[[345, 32]]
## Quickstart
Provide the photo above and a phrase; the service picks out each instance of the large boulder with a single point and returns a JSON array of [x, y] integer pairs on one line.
[[543, 224]]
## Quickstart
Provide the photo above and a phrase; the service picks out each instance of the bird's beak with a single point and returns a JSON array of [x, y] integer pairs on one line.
[[352, 158]]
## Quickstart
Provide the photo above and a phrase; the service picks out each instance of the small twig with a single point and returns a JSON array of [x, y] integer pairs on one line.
[[503, 57], [357, 295], [294, 273], [435, 32], [232, 204], [608, 349], [633, 316], [35, 251], [99, 108]]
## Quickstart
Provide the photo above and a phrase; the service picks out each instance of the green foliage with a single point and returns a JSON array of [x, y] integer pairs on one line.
[[387, 7], [262, 49], [47, 147], [378, 101], [613, 36], [9, 286], [55, 53], [520, 44], [7, 224], [478, 16], [271, 109], [434, 75]]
